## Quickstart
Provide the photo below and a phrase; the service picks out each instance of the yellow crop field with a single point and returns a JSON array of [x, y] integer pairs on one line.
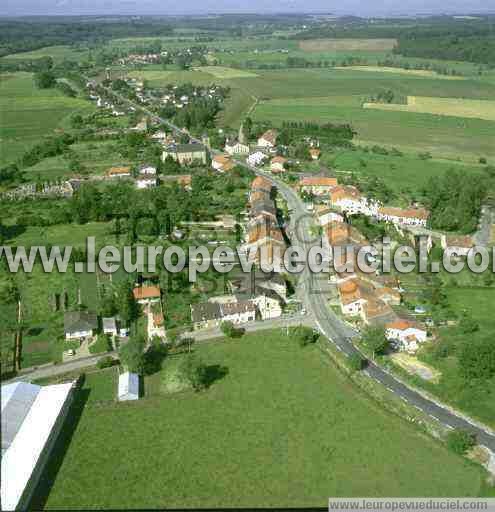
[[371, 45], [400, 71], [224, 73], [458, 107]]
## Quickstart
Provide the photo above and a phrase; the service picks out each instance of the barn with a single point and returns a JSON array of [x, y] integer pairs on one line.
[[32, 417], [128, 386]]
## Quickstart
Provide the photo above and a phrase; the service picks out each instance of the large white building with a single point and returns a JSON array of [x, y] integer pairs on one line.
[[32, 417]]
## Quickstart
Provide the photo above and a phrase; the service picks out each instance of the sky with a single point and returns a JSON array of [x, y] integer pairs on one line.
[[356, 7]]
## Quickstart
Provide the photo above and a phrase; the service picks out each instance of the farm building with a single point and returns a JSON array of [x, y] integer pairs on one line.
[[32, 417], [128, 386]]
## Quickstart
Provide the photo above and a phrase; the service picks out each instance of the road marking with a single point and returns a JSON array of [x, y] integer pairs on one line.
[[434, 417], [405, 399], [390, 389]]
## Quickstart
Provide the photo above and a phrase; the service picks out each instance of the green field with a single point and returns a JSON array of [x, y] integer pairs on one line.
[[57, 53], [440, 135], [278, 427], [29, 113], [405, 174], [95, 158]]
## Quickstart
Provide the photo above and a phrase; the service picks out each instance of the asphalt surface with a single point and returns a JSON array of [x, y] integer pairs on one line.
[[311, 292]]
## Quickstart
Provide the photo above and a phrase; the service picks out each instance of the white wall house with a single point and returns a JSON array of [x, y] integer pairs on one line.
[[110, 326], [269, 307], [409, 217], [407, 335], [268, 139], [146, 182], [255, 159], [236, 148]]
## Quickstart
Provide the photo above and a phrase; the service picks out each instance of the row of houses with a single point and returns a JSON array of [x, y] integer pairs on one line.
[[252, 296], [147, 177], [371, 297], [348, 199], [264, 237]]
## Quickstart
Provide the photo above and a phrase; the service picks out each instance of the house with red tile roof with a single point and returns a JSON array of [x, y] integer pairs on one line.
[[407, 216], [406, 334], [146, 294], [268, 139], [317, 185]]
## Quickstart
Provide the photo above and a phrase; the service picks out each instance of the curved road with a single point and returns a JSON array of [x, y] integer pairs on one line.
[[336, 331]]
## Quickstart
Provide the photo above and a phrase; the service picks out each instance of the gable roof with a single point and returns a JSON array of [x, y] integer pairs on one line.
[[318, 181], [204, 311], [146, 292], [270, 136], [405, 213], [77, 321], [117, 171]]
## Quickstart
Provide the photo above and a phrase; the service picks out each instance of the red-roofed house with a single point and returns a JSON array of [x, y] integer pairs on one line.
[[406, 334], [277, 164], [268, 139], [409, 216], [146, 294], [317, 185]]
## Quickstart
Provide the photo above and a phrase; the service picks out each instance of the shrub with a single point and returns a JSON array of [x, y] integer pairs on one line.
[[106, 362], [356, 362], [460, 441]]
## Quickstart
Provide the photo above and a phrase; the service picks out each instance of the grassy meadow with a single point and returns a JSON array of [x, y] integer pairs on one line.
[[405, 174], [440, 135], [29, 113], [57, 53], [279, 426], [457, 107]]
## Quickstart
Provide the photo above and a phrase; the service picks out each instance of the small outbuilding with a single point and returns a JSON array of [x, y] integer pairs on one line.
[[128, 387]]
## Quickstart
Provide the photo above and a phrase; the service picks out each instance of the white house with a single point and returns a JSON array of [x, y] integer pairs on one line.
[[255, 159], [110, 326], [235, 147], [268, 304], [317, 185], [458, 245], [348, 199], [128, 387], [409, 217], [147, 170], [406, 334], [277, 164], [80, 324], [238, 312], [268, 139], [146, 182]]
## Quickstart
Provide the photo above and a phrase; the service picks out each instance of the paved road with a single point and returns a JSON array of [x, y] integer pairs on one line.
[[331, 326], [51, 370]]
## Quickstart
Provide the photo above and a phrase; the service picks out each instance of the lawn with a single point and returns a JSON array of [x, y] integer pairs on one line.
[[28, 113], [465, 293], [95, 158], [407, 174], [278, 427]]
